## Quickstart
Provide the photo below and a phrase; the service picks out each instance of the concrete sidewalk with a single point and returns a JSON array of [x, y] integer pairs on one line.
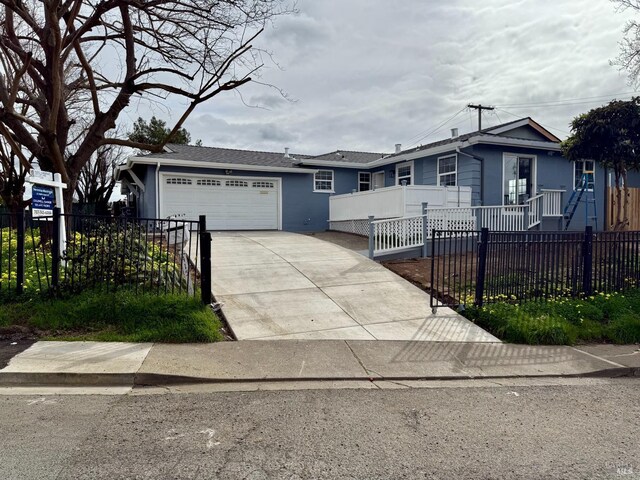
[[119, 364]]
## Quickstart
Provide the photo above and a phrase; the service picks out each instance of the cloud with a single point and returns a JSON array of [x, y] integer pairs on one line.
[[367, 74]]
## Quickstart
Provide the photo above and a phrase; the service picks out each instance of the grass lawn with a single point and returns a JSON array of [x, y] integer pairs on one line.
[[602, 317], [116, 316]]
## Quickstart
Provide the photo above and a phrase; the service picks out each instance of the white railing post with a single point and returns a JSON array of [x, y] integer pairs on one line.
[[372, 236], [425, 226]]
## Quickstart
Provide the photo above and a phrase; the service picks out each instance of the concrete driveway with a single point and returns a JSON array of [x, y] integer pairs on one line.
[[279, 285]]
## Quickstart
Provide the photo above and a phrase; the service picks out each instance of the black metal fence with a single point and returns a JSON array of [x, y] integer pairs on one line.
[[145, 255], [474, 267]]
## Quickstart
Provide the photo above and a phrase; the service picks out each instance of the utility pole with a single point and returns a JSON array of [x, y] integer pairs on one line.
[[480, 108]]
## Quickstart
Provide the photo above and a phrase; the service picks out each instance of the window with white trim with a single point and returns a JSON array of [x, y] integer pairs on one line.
[[208, 182], [178, 181], [404, 174], [323, 181], [364, 181], [579, 168], [448, 171]]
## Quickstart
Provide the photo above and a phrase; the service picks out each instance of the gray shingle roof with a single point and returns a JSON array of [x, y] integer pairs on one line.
[[277, 159], [228, 155], [346, 156], [251, 157], [462, 138]]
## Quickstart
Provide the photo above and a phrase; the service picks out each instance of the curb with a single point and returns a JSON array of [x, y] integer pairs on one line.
[[30, 379], [13, 379]]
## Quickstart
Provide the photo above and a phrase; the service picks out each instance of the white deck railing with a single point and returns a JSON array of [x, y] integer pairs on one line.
[[399, 201], [552, 203], [397, 234], [535, 210]]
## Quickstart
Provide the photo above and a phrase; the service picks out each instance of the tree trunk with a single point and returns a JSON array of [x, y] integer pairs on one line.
[[618, 212], [72, 183]]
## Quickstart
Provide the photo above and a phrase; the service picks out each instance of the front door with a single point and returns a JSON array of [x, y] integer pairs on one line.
[[378, 180], [518, 179]]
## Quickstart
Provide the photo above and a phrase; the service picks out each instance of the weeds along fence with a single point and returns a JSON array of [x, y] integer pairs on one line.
[[158, 256], [478, 267]]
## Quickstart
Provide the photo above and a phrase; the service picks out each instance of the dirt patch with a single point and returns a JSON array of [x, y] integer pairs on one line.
[[416, 270], [453, 276]]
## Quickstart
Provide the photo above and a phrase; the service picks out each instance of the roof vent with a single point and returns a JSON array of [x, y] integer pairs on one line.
[[454, 133], [398, 147], [286, 152]]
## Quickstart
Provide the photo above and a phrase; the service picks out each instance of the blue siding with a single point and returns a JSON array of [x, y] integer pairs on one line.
[[553, 172], [303, 210], [147, 199]]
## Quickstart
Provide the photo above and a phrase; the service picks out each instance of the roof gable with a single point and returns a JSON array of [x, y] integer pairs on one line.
[[525, 128]]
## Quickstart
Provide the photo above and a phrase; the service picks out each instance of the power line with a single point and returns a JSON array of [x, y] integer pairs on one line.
[[431, 131], [567, 101]]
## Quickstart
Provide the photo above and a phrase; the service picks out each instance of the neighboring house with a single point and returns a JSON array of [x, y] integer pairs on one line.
[[236, 189]]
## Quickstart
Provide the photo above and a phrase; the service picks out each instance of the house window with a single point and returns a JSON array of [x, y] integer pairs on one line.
[[579, 168], [364, 181], [404, 174], [448, 171], [323, 181]]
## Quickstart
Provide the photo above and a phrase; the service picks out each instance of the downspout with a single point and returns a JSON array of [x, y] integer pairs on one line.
[[157, 190], [481, 160]]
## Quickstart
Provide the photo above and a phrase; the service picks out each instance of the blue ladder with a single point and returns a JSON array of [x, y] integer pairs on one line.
[[585, 189]]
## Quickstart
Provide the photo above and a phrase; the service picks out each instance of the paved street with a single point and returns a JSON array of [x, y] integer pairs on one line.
[[546, 428]]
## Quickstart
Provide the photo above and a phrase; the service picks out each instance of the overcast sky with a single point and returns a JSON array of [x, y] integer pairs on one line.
[[366, 74]]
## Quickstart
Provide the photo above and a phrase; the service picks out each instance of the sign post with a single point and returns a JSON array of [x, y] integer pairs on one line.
[[46, 193]]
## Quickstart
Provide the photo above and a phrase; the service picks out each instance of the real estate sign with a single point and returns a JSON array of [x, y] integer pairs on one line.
[[46, 193], [43, 199]]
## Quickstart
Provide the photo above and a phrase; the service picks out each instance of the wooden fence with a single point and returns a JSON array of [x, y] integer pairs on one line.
[[634, 208]]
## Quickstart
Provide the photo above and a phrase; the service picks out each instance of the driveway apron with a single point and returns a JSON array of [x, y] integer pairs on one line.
[[280, 285]]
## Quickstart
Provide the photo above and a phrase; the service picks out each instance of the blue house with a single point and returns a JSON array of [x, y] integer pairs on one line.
[[509, 176]]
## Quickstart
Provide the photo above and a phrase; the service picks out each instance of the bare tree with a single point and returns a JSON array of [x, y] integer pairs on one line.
[[96, 181], [70, 68], [14, 167], [629, 57]]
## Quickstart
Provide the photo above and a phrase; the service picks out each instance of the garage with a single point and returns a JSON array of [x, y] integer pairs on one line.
[[229, 203]]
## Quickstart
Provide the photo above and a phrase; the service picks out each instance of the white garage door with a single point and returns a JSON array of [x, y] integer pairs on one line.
[[228, 203]]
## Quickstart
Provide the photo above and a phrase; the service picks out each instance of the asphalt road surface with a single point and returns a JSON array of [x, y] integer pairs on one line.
[[587, 429]]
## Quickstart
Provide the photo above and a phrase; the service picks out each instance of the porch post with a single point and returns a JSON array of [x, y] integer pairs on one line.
[[425, 231], [525, 210], [371, 235]]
